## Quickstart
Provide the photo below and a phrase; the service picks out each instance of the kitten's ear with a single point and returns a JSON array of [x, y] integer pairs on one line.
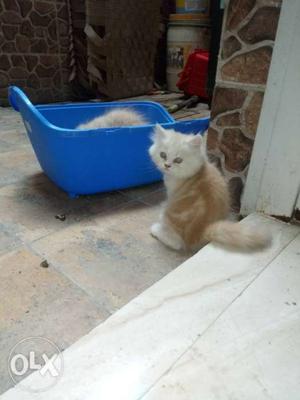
[[158, 132], [195, 140]]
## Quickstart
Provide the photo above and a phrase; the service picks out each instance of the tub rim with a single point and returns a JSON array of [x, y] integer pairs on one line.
[[15, 94]]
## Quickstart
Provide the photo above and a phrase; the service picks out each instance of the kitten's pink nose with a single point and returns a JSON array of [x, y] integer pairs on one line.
[[167, 166]]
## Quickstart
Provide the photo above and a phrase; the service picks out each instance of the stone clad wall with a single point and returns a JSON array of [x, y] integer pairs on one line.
[[78, 68], [34, 48], [249, 30]]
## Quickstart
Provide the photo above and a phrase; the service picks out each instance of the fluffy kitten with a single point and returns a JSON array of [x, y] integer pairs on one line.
[[115, 118], [197, 197]]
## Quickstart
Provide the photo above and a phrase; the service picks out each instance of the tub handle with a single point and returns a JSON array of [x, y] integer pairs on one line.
[[18, 98], [12, 97]]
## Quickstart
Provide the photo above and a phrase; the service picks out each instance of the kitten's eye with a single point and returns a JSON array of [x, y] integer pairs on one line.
[[163, 155], [177, 160]]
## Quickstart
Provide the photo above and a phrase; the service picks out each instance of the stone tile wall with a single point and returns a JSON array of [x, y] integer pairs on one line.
[[249, 30], [34, 48], [79, 76]]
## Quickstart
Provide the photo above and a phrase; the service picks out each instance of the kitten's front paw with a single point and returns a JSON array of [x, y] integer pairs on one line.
[[155, 229]]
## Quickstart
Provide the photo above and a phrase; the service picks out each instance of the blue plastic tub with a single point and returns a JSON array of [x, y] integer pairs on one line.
[[94, 160]]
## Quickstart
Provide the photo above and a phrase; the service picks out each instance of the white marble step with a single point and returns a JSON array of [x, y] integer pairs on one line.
[[253, 349], [202, 306]]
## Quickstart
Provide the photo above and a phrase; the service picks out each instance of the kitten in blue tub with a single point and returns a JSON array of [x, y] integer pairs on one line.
[[115, 118]]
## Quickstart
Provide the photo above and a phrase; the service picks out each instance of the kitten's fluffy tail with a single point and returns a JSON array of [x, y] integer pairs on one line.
[[238, 236]]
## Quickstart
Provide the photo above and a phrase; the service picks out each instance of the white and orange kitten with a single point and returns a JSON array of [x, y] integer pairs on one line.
[[115, 118], [198, 200]]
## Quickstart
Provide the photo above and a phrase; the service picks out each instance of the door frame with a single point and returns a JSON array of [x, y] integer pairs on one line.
[[273, 181]]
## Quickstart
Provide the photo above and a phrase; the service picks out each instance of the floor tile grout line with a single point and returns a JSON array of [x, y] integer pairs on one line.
[[93, 214], [198, 338], [139, 198], [147, 204], [59, 271], [28, 245]]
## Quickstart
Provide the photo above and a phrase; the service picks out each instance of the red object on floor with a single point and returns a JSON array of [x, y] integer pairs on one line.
[[194, 75]]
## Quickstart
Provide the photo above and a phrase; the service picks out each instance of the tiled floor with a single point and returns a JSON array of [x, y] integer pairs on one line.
[[222, 326], [100, 256]]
